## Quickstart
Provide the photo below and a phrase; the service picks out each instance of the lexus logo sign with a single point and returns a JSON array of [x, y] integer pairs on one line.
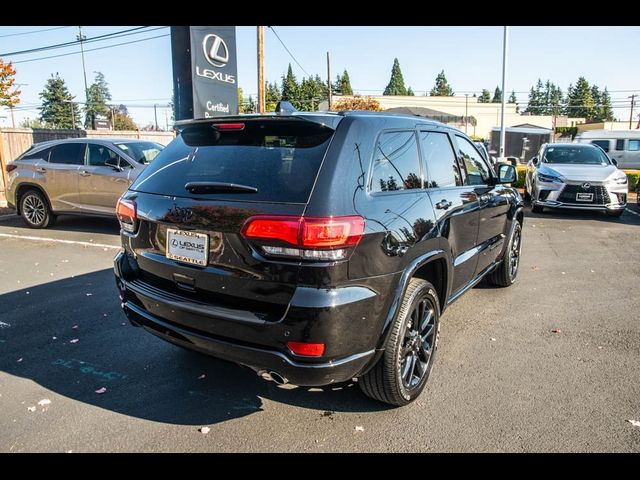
[[215, 50], [586, 186]]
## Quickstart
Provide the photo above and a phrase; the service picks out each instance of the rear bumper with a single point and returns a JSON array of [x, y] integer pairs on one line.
[[332, 316]]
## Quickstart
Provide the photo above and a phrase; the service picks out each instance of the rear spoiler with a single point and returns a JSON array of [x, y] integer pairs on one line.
[[329, 119]]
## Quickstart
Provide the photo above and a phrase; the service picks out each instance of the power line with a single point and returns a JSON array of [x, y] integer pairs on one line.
[[32, 31], [75, 42], [288, 51], [93, 49]]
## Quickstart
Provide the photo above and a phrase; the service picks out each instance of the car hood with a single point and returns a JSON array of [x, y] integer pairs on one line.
[[586, 173]]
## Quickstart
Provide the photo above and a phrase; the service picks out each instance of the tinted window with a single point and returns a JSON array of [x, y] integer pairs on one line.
[[477, 170], [620, 144], [141, 152], [575, 155], [438, 154], [39, 155], [396, 165], [604, 144], [69, 153], [99, 155], [634, 145], [279, 157]]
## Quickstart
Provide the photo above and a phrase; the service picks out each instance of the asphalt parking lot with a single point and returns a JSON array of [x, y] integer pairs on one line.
[[503, 380]]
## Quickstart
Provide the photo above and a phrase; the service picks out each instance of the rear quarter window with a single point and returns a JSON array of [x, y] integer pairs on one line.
[[280, 158]]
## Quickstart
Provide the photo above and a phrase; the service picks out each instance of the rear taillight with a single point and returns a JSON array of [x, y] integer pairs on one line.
[[311, 238], [10, 168], [127, 215]]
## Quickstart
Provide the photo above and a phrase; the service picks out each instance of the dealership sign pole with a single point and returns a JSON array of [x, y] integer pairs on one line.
[[504, 96], [205, 76]]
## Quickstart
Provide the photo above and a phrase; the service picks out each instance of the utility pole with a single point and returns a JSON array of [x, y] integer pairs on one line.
[[155, 114], [261, 93], [166, 120], [330, 99], [13, 118], [504, 97], [466, 111], [633, 102], [81, 38]]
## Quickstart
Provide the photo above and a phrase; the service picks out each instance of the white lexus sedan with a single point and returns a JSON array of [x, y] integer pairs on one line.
[[578, 176]]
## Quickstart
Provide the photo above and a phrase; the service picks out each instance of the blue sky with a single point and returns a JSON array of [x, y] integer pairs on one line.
[[139, 74]]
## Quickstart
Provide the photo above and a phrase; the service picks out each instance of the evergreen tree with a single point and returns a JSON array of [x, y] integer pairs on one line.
[[535, 104], [250, 107], [58, 109], [290, 87], [497, 95], [513, 99], [485, 96], [580, 100], [343, 84], [410, 92], [396, 82], [97, 96], [442, 87], [556, 101], [597, 105], [272, 96], [9, 95], [606, 110], [311, 92]]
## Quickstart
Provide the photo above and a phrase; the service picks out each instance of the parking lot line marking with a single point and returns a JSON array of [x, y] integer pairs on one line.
[[59, 240], [631, 211]]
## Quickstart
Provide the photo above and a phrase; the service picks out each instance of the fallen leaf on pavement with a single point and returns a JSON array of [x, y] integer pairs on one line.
[[101, 390], [204, 430], [44, 402], [635, 423], [564, 273], [359, 428], [31, 409], [534, 268], [556, 330], [493, 339], [75, 340]]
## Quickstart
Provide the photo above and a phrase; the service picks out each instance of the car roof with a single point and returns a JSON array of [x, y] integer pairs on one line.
[[100, 141], [571, 145]]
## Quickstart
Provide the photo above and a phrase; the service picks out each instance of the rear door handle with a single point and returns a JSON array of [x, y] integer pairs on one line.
[[443, 204], [84, 173], [41, 170]]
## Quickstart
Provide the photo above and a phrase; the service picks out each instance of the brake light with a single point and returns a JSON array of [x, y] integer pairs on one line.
[[307, 349], [10, 168], [127, 215], [317, 238], [229, 126]]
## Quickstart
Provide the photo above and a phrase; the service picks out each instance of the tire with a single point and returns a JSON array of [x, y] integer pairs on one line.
[[615, 213], [35, 210], [506, 272], [536, 208], [392, 379]]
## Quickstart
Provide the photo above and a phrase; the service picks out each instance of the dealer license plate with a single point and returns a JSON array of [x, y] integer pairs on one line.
[[584, 197], [187, 247]]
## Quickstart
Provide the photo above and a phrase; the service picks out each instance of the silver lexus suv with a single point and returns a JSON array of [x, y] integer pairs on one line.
[[75, 176], [575, 176]]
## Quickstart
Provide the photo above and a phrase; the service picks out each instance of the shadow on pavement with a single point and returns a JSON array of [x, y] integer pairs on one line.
[[71, 223], [144, 376], [627, 217]]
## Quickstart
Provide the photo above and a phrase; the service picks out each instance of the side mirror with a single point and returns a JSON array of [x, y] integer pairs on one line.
[[507, 173], [614, 161], [534, 161]]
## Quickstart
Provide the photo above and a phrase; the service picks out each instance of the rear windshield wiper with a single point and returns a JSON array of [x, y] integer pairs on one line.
[[218, 187]]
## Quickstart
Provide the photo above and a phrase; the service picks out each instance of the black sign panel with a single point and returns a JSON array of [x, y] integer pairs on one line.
[[215, 71], [205, 82]]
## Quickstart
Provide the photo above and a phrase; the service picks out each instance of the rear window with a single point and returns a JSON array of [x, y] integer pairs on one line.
[[278, 157], [141, 152]]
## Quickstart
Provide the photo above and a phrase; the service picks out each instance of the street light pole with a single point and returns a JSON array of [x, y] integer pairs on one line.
[[504, 97], [81, 38], [633, 100]]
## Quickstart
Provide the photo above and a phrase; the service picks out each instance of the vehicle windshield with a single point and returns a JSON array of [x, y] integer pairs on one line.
[[576, 156], [141, 152]]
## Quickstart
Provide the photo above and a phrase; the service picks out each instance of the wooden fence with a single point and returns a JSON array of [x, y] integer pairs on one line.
[[14, 141]]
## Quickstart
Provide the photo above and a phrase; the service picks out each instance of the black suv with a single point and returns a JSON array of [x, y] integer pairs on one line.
[[315, 247]]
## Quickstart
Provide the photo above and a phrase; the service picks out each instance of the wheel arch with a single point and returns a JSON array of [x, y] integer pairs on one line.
[[25, 187]]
